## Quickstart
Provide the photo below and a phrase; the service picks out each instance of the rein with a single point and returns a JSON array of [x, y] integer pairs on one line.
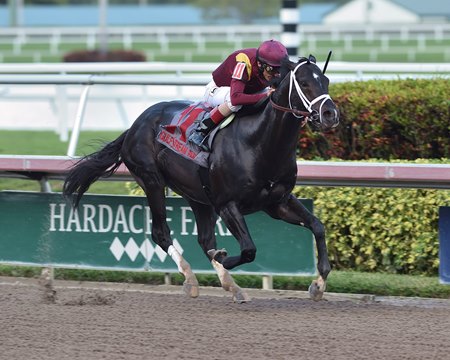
[[296, 112]]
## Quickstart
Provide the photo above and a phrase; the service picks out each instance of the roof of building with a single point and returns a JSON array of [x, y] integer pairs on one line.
[[426, 8], [314, 13]]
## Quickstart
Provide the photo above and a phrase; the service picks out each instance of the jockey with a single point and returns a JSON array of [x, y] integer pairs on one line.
[[242, 79]]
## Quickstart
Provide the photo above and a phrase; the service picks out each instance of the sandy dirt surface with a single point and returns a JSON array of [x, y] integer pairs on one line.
[[114, 321]]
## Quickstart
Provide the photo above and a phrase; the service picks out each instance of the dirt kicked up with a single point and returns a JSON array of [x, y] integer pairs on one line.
[[118, 321]]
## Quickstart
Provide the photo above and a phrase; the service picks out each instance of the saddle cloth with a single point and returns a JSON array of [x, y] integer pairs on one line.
[[175, 134]]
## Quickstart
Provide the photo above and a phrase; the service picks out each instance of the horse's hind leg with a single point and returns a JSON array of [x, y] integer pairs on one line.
[[293, 212], [206, 220], [161, 236]]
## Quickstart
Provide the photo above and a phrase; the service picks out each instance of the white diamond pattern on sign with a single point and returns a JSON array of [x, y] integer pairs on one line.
[[147, 249], [117, 248], [178, 246], [160, 253], [132, 249]]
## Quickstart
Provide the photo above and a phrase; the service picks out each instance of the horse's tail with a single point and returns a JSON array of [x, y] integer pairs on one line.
[[90, 168]]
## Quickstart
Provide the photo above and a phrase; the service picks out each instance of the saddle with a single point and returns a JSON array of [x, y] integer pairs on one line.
[[175, 135]]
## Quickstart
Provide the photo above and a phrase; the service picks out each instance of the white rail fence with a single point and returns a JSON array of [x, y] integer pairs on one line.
[[23, 41], [311, 173], [139, 84], [255, 31]]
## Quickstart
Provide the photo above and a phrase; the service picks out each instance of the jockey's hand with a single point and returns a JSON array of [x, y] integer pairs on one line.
[[270, 91]]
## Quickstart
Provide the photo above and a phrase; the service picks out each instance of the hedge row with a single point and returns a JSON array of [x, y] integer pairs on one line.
[[396, 119], [394, 230], [100, 56], [375, 229]]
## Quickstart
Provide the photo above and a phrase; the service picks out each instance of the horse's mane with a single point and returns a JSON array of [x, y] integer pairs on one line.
[[286, 66]]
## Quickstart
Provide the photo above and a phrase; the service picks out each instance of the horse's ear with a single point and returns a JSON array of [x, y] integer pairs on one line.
[[312, 58]]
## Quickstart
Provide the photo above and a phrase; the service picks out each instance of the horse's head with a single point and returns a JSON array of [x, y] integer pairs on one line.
[[304, 88]]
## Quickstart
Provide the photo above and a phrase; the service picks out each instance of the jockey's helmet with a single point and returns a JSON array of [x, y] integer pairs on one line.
[[271, 52]]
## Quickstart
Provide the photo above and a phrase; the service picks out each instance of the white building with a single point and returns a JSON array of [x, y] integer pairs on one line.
[[390, 12]]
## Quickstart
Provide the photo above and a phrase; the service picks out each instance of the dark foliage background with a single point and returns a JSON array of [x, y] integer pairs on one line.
[[396, 119], [100, 56]]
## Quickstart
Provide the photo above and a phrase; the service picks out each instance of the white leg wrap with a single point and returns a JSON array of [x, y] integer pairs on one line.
[[228, 283], [224, 276], [176, 256], [219, 268], [190, 285]]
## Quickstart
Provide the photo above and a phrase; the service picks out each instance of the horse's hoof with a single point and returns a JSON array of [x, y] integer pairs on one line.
[[191, 290], [316, 290], [241, 297], [217, 255]]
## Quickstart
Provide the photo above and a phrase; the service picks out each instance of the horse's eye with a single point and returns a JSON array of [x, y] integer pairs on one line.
[[303, 84]]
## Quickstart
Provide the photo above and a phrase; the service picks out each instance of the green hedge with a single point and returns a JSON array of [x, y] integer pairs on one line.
[[396, 119], [374, 229], [394, 230]]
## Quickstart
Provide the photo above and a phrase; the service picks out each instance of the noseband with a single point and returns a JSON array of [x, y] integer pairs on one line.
[[310, 114]]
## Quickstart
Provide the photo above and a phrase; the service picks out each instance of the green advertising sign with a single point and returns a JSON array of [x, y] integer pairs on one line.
[[114, 232]]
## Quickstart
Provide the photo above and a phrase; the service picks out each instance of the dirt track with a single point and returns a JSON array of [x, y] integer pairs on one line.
[[143, 322]]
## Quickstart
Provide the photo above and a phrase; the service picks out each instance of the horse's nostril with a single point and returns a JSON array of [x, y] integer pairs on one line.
[[330, 117]]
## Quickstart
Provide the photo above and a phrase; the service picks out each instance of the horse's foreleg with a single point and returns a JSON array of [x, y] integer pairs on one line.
[[293, 212], [206, 219], [228, 284], [235, 222]]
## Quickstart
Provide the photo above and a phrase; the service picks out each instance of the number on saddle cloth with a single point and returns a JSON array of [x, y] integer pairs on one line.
[[183, 122], [175, 134]]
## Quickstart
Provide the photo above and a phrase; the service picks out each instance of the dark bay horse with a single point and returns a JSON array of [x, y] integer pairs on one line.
[[252, 167]]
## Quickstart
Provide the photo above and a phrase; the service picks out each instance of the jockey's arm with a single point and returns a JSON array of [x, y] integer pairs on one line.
[[238, 97]]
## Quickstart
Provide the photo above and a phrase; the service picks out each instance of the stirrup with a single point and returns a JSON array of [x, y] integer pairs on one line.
[[198, 139], [204, 144]]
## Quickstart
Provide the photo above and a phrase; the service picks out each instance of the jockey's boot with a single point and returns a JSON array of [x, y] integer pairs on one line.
[[198, 135], [204, 127]]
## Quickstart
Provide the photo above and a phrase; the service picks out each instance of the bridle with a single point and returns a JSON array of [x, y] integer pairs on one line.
[[297, 113], [311, 114]]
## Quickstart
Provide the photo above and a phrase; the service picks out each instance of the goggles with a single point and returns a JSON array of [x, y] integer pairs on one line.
[[272, 70]]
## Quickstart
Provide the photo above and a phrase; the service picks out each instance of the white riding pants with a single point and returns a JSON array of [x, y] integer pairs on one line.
[[215, 95]]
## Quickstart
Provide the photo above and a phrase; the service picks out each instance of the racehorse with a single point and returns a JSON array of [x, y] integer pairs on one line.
[[252, 167]]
